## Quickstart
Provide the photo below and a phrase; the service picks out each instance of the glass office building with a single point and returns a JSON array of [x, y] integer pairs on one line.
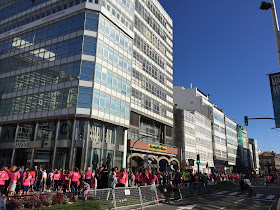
[[66, 71]]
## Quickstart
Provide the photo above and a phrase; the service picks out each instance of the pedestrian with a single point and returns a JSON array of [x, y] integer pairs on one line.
[[266, 179], [56, 178], [26, 181], [3, 177], [88, 176], [15, 176], [75, 176]]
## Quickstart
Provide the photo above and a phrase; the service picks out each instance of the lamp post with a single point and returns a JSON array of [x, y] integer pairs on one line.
[[271, 5]]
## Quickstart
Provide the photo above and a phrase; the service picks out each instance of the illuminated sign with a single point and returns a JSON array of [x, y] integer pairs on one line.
[[157, 148]]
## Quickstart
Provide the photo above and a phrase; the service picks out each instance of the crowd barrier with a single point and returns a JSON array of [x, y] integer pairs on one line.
[[118, 198]]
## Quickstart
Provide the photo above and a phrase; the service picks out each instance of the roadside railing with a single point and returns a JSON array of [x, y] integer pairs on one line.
[[117, 198]]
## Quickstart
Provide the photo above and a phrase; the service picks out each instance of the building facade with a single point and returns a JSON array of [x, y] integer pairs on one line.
[[269, 163], [150, 139], [193, 133], [69, 72]]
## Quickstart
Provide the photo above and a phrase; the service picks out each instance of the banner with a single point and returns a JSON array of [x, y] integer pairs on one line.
[[275, 94]]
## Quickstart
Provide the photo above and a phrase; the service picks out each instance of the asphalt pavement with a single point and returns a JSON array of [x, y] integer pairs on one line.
[[262, 199]]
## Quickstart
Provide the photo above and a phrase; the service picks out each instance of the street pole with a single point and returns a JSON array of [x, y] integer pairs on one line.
[[276, 29]]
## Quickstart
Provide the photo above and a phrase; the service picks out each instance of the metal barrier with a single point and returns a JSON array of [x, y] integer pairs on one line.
[[117, 198]]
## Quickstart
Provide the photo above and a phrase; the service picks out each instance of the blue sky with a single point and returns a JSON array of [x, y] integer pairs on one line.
[[226, 49]]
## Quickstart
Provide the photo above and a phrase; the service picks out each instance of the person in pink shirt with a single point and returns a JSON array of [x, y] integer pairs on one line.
[[14, 176], [26, 181], [66, 181], [75, 176], [153, 178], [123, 176], [56, 179], [3, 177], [145, 178], [88, 176]]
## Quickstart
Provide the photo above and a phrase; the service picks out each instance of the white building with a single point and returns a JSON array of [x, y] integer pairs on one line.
[[224, 135], [193, 135], [232, 142], [255, 155]]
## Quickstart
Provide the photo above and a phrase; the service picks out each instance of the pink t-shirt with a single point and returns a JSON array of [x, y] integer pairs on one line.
[[88, 174], [56, 177], [15, 176], [153, 180], [27, 181], [145, 179], [75, 176], [122, 179], [4, 176]]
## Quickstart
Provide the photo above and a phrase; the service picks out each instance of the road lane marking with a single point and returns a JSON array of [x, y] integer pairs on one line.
[[234, 193], [239, 200], [186, 207], [270, 197]]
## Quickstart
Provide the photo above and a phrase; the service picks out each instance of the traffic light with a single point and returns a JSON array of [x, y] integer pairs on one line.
[[265, 5], [197, 159], [246, 120]]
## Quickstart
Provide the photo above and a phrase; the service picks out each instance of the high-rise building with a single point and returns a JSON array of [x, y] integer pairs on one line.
[[151, 118], [68, 70], [255, 155]]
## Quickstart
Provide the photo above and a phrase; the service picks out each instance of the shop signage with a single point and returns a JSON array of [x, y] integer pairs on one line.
[[157, 148], [220, 168], [20, 144]]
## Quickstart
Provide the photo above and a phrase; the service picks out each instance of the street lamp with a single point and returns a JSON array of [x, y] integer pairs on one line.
[[267, 6]]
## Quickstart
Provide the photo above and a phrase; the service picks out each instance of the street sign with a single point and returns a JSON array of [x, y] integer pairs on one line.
[[275, 94]]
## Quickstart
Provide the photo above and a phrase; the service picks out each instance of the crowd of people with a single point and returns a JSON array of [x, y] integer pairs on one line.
[[21, 180]]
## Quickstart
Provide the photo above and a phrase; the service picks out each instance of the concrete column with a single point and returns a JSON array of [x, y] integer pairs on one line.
[[14, 150], [115, 141], [124, 148], [33, 149], [102, 145], [85, 146], [71, 155], [55, 144]]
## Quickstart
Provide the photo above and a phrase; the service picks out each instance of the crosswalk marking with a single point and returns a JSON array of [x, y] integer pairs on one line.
[[270, 197], [234, 193], [186, 207], [258, 196]]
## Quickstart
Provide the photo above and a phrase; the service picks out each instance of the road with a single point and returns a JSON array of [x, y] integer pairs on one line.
[[263, 199]]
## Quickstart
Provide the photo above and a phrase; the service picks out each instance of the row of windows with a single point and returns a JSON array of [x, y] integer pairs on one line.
[[110, 105], [89, 47], [232, 150], [43, 13], [232, 134], [219, 128], [118, 14], [220, 153], [35, 36], [107, 53], [149, 19], [203, 131], [141, 27], [231, 125], [188, 117], [204, 143], [111, 80], [149, 68], [147, 84], [189, 142], [202, 120], [127, 5], [144, 47], [189, 130], [156, 12], [231, 159], [150, 129], [43, 77], [18, 7], [204, 156], [220, 140], [39, 102], [85, 97], [232, 142], [218, 117], [148, 103], [38, 56], [115, 35]]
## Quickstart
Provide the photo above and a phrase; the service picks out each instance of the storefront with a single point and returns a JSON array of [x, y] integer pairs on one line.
[[155, 156]]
